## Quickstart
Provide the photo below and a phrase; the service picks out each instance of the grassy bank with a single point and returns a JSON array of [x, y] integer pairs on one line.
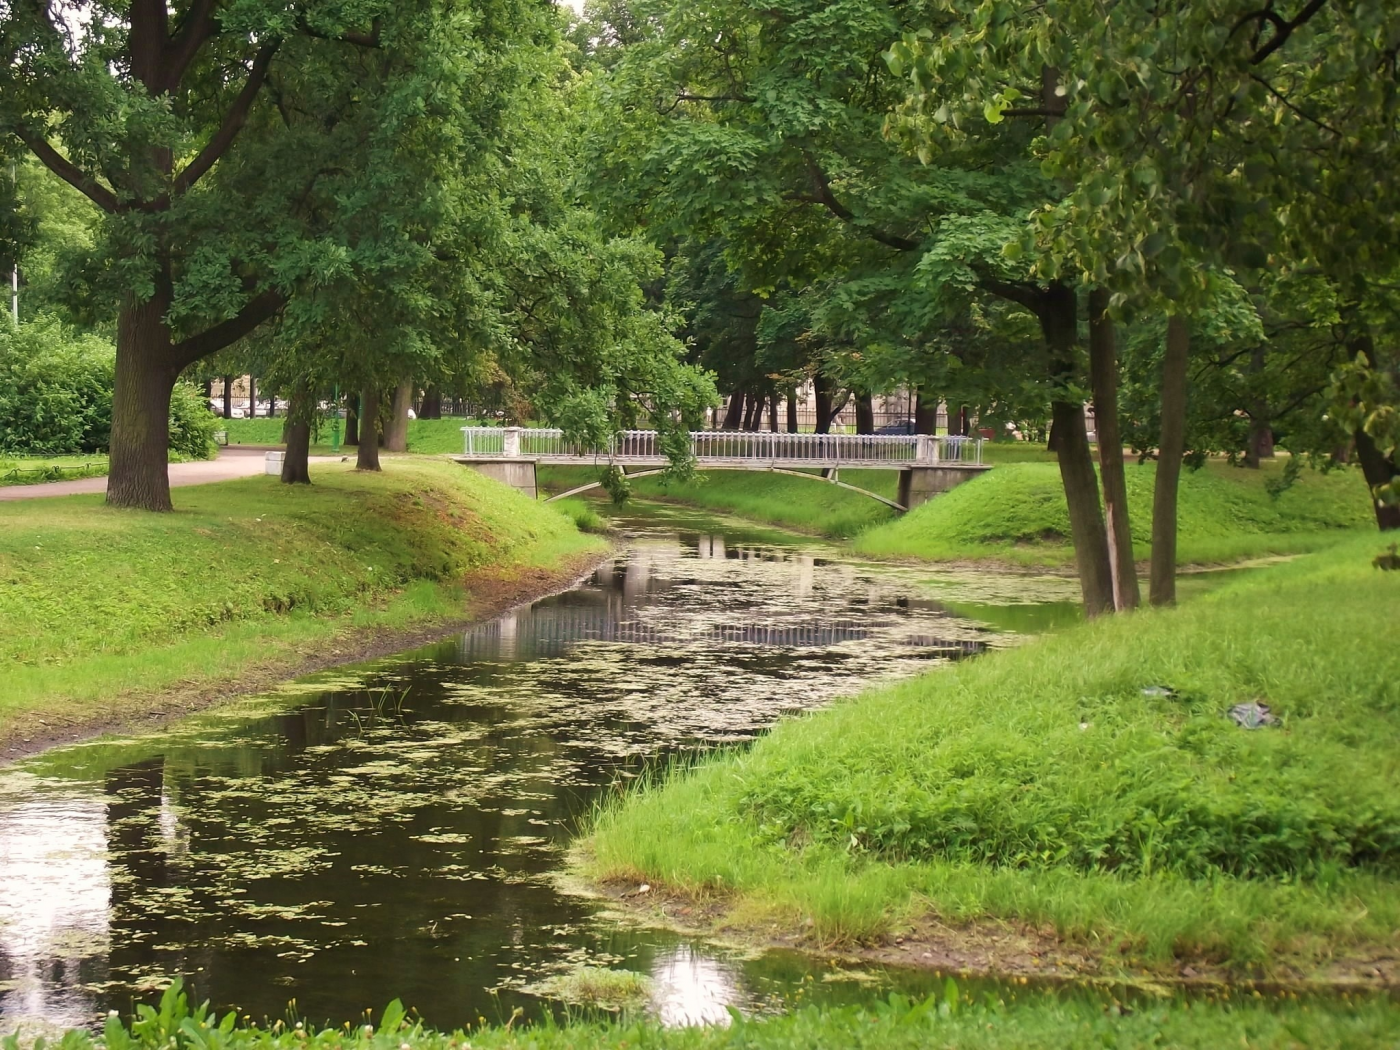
[[948, 1020], [1017, 513], [1043, 788], [99, 604]]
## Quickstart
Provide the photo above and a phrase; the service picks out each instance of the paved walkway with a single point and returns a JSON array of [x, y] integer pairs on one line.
[[233, 462]]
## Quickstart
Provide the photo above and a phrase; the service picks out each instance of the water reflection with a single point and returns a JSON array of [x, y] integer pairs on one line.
[[693, 987], [395, 831], [55, 897]]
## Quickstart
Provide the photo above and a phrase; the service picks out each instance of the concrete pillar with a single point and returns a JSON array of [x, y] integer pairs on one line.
[[511, 436], [921, 483], [519, 474]]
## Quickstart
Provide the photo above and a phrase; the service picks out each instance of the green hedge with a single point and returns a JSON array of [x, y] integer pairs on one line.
[[56, 395]]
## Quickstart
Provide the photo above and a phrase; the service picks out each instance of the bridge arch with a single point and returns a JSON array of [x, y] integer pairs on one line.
[[899, 507]]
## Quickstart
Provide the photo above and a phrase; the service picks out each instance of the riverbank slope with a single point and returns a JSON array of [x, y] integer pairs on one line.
[[1087, 801], [109, 615]]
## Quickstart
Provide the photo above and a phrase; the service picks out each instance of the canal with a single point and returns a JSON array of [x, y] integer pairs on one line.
[[398, 829]]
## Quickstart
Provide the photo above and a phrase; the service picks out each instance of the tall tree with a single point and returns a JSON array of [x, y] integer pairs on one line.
[[181, 126]]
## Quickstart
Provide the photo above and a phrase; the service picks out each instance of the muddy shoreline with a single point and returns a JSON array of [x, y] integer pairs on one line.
[[990, 948], [491, 593]]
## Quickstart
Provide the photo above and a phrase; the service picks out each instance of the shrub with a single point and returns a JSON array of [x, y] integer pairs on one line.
[[56, 395], [55, 389], [192, 424]]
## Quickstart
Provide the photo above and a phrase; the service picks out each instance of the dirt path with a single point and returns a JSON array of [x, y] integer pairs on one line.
[[241, 462]]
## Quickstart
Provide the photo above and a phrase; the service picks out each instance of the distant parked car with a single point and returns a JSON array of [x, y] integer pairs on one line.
[[901, 426]]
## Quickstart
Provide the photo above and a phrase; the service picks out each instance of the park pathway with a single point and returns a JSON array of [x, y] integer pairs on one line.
[[231, 463]]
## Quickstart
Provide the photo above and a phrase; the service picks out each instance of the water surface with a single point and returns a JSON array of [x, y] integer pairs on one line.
[[395, 829]]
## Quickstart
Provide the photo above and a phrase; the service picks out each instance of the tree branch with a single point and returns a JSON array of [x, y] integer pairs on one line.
[[195, 28], [1289, 105], [1027, 295], [821, 188], [234, 120], [351, 36], [685, 96], [257, 310], [1283, 30], [70, 173]]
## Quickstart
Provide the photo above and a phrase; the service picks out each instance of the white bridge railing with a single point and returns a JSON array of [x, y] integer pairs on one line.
[[731, 446]]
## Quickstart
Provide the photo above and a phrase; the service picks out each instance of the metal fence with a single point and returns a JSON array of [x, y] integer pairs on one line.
[[719, 446]]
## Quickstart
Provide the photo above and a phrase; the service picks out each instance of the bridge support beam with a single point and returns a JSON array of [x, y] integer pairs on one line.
[[519, 474], [920, 484]]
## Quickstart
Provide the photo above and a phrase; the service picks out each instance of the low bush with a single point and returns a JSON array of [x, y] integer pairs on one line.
[[56, 395], [55, 390]]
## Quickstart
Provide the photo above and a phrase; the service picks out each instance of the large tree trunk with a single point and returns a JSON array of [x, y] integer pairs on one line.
[[925, 414], [1171, 447], [821, 390], [296, 467], [228, 397], [773, 411], [865, 414], [1070, 439], [396, 430], [1376, 467], [734, 413], [1259, 445], [432, 404], [138, 474], [252, 397], [792, 410], [1378, 470], [1103, 380], [367, 457], [754, 412], [352, 419]]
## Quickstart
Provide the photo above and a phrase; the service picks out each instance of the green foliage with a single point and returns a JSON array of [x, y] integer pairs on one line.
[[1043, 785], [55, 389], [56, 395], [192, 425], [616, 484]]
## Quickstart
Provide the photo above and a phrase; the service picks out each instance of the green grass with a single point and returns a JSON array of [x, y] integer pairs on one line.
[[776, 499], [950, 1020], [426, 436], [96, 601], [1017, 513], [1040, 786]]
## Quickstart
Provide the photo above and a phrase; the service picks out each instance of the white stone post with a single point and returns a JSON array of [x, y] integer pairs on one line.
[[512, 441], [927, 451]]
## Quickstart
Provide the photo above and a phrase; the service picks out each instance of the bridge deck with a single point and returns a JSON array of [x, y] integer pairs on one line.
[[735, 450]]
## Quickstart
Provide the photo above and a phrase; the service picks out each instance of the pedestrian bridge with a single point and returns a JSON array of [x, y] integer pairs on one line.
[[927, 464]]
